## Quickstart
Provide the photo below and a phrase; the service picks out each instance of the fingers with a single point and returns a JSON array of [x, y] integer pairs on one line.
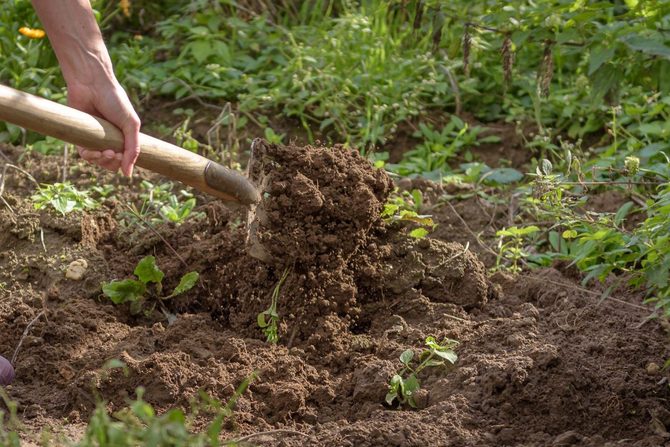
[[107, 159], [114, 105], [131, 136]]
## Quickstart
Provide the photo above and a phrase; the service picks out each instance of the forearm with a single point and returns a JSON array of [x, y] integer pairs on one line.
[[76, 40]]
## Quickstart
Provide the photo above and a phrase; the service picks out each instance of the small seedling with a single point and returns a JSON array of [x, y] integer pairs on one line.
[[405, 207], [512, 248], [63, 197], [160, 204], [404, 385], [148, 285], [268, 320]]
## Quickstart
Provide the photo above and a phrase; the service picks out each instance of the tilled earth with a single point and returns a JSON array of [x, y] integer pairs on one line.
[[541, 361]]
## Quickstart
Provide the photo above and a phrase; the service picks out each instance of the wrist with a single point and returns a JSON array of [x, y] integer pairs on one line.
[[90, 68]]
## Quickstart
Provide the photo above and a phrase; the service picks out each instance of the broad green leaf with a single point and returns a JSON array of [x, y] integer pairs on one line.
[[123, 291], [390, 397], [547, 167], [407, 356], [653, 45], [186, 283], [147, 271], [600, 55], [449, 355], [503, 176], [604, 79]]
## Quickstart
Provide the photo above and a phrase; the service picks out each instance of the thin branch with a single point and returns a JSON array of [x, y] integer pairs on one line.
[[153, 230], [590, 292], [25, 334], [472, 233]]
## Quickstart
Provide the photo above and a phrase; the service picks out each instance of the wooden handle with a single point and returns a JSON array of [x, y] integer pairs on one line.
[[80, 128]]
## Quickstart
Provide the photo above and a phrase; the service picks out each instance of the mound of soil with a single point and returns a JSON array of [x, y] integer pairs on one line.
[[540, 361]]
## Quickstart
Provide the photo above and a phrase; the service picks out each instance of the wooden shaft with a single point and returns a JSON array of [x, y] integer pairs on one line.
[[80, 128]]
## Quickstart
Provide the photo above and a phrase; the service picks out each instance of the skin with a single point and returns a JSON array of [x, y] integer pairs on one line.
[[89, 75]]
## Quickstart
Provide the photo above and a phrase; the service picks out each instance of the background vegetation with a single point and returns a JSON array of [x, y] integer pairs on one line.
[[414, 84]]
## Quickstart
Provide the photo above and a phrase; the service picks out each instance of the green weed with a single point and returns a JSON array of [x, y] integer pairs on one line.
[[160, 204], [148, 287], [64, 198], [404, 385], [431, 157], [268, 320], [405, 208]]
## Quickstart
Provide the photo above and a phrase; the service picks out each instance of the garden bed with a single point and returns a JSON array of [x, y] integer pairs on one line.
[[541, 360]]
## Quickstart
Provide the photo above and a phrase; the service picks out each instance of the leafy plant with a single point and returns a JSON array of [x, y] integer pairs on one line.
[[268, 320], [63, 197], [139, 423], [430, 157], [160, 204], [405, 207], [147, 286], [404, 385], [510, 247]]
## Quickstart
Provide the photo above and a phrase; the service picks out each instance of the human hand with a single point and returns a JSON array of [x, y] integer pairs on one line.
[[108, 100]]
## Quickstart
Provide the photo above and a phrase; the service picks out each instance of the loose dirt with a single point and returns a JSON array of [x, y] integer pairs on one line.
[[541, 360]]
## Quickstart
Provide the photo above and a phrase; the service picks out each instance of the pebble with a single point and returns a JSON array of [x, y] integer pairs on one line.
[[653, 368], [76, 270]]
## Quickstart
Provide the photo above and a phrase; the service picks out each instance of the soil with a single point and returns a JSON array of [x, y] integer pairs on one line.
[[542, 360]]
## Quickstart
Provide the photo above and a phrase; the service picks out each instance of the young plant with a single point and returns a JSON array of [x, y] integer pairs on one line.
[[63, 197], [404, 385], [268, 320], [512, 249], [147, 286], [405, 207], [160, 204], [430, 158]]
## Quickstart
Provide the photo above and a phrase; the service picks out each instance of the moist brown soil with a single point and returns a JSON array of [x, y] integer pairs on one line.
[[541, 361]]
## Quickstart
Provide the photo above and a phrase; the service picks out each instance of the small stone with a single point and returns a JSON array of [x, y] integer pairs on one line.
[[653, 368], [76, 270]]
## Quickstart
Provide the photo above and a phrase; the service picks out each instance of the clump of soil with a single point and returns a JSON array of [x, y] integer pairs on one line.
[[540, 361], [320, 218]]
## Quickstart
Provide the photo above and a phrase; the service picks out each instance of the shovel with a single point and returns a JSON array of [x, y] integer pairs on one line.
[[80, 128]]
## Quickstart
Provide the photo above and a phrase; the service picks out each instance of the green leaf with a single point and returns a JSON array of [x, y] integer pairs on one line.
[[390, 397], [186, 283], [147, 271], [547, 167], [407, 356], [653, 45], [123, 291], [600, 55], [262, 322], [418, 233], [623, 212], [449, 355], [503, 176], [569, 234]]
